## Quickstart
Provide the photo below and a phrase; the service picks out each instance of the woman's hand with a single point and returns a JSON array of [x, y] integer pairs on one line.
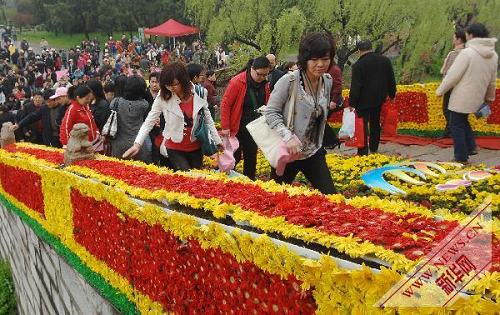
[[132, 151], [294, 145], [225, 132], [220, 148]]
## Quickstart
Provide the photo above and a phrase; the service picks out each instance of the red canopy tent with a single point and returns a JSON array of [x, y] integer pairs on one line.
[[171, 28]]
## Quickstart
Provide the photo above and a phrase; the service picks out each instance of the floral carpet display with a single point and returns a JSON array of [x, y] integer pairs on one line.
[[347, 171], [420, 112], [152, 240]]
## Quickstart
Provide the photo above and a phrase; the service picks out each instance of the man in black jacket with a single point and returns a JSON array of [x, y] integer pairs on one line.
[[372, 81], [47, 114], [274, 73]]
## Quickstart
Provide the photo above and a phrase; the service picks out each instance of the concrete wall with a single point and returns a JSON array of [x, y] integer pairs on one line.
[[44, 282]]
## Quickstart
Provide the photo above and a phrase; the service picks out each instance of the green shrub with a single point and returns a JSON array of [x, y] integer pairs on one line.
[[7, 296]]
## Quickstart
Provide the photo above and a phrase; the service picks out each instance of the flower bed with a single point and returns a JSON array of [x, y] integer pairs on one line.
[[346, 172], [420, 112], [167, 261]]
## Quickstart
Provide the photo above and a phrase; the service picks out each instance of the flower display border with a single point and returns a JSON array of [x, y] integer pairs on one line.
[[349, 245], [335, 289]]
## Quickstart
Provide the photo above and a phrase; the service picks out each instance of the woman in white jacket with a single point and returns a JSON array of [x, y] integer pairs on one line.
[[182, 111], [472, 77]]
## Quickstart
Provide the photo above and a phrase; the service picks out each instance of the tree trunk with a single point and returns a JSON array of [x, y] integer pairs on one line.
[[274, 45], [394, 43], [343, 55], [4, 15], [84, 25], [248, 42]]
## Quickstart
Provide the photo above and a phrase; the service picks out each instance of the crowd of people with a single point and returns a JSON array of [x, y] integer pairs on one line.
[[164, 122], [44, 94]]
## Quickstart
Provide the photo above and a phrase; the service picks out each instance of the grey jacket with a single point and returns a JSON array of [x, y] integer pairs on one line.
[[277, 107], [130, 115]]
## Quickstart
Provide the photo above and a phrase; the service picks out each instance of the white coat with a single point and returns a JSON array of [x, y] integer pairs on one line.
[[472, 76], [174, 119]]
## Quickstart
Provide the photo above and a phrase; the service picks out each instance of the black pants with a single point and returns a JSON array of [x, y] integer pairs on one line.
[[446, 112], [184, 161], [371, 120], [314, 169], [249, 149], [463, 136]]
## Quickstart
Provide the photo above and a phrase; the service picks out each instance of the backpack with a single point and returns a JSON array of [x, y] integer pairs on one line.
[[111, 126]]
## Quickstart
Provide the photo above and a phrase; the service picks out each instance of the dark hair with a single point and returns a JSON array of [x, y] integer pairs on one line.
[[257, 63], [260, 63], [315, 45], [81, 90], [477, 30], [155, 75], [364, 45], [97, 89], [4, 108], [170, 73], [48, 93], [210, 73], [120, 85], [135, 88], [109, 87], [194, 70], [37, 92], [286, 66], [460, 34]]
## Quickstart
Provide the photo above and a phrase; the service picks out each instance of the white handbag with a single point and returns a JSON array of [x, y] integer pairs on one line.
[[111, 126], [267, 139]]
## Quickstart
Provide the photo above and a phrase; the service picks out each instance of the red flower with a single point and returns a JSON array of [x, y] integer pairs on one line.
[[23, 185], [182, 276]]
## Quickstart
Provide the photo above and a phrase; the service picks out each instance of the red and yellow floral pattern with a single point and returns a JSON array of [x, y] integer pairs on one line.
[[420, 110], [169, 261]]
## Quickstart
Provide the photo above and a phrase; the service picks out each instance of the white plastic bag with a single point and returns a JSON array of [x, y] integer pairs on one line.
[[348, 123]]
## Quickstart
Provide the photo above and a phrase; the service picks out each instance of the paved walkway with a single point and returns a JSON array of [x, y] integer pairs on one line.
[[430, 153]]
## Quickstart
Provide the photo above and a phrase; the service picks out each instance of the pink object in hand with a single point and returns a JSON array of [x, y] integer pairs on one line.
[[226, 159], [285, 157]]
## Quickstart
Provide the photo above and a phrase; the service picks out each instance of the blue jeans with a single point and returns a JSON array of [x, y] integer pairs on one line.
[[463, 137]]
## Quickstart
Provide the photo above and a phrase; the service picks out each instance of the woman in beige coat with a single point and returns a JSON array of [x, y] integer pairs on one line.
[[472, 78]]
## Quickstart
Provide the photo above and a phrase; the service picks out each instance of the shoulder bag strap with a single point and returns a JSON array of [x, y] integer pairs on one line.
[[291, 102]]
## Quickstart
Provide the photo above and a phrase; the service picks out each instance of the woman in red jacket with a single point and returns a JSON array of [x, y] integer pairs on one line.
[[78, 112], [245, 93]]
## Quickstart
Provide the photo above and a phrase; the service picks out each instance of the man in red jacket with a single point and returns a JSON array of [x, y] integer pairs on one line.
[[245, 93]]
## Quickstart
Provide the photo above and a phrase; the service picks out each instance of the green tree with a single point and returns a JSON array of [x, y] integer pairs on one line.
[[3, 15], [72, 16], [385, 22], [423, 51], [75, 16], [266, 25]]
